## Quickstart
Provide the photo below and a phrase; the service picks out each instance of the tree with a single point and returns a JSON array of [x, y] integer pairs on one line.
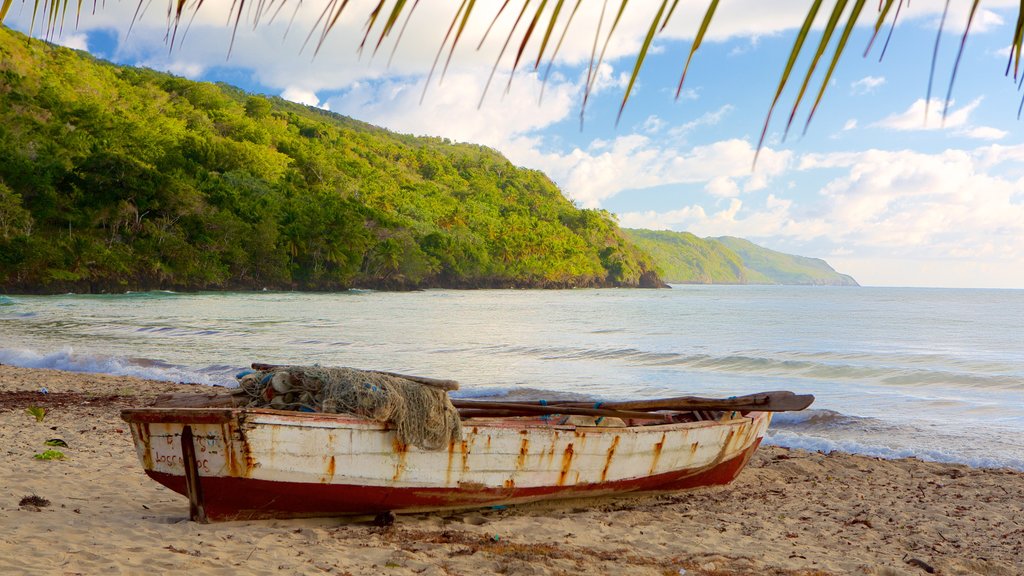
[[15, 220]]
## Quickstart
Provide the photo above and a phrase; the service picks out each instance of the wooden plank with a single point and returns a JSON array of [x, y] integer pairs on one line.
[[477, 407], [196, 510]]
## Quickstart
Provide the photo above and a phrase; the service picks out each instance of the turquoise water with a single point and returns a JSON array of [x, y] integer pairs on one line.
[[934, 373]]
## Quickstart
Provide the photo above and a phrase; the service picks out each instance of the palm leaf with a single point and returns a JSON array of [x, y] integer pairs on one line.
[[526, 38], [892, 27], [798, 45], [547, 33], [440, 49], [696, 42], [935, 58], [51, 15], [826, 37], [590, 67], [4, 7], [547, 71], [458, 34], [850, 23], [502, 53], [878, 24], [1015, 46], [640, 57], [956, 63]]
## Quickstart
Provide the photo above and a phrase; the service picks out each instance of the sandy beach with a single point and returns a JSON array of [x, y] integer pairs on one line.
[[790, 512]]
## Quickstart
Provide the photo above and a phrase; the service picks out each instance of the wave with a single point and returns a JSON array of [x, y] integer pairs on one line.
[[149, 294], [825, 366], [149, 368], [6, 301], [826, 445]]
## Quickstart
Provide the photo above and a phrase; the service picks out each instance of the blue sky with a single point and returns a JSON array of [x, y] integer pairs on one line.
[[870, 188]]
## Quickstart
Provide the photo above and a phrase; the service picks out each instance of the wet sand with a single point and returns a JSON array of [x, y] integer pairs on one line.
[[790, 512]]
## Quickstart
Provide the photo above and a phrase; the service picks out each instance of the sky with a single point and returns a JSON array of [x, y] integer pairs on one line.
[[872, 186]]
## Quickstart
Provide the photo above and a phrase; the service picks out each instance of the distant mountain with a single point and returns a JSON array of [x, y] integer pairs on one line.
[[687, 259]]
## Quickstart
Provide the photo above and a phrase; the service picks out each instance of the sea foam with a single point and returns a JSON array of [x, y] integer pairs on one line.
[[71, 361]]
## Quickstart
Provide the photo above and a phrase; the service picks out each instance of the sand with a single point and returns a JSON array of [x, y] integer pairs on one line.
[[790, 512]]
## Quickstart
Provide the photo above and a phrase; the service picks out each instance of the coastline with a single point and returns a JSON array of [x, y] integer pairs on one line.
[[789, 512]]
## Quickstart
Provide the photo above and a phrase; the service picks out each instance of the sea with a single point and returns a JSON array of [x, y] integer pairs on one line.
[[937, 374]]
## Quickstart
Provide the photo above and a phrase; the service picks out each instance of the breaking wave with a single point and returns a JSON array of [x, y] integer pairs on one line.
[[148, 368]]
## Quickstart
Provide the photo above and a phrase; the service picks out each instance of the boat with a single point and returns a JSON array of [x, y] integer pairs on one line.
[[237, 463]]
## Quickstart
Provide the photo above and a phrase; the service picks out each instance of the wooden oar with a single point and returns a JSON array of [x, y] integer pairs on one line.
[[521, 408], [781, 401]]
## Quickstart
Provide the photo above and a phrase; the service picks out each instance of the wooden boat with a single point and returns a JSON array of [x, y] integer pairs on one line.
[[243, 463]]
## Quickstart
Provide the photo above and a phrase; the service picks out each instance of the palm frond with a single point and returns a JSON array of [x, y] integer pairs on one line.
[[534, 41]]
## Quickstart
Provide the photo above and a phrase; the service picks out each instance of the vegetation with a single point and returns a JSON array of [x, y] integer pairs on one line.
[[785, 268], [37, 412], [50, 454], [684, 258], [119, 178]]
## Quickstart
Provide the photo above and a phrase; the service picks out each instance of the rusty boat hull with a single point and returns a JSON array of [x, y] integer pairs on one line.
[[241, 464]]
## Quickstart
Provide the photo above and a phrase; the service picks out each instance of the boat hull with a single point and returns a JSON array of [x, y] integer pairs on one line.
[[249, 464]]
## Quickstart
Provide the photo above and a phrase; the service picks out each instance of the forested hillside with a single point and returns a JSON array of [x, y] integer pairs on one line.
[[115, 178], [684, 258], [783, 268]]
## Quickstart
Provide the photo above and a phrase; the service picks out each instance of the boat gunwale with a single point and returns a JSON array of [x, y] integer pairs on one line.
[[157, 415]]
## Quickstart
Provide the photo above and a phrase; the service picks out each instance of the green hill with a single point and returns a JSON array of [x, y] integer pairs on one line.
[[785, 268], [684, 258], [115, 178]]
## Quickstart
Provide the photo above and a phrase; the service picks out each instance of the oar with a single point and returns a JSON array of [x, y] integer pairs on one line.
[[781, 401], [521, 408]]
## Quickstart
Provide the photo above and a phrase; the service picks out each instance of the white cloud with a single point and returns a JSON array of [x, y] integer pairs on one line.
[[301, 96], [191, 70], [945, 205], [77, 41], [850, 124], [707, 119], [722, 186], [914, 117], [652, 125], [502, 120], [634, 162], [983, 133], [867, 84], [950, 218]]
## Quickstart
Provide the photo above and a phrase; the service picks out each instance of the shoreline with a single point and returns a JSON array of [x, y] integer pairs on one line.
[[790, 512]]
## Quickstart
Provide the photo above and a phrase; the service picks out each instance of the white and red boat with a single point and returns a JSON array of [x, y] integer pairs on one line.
[[244, 463]]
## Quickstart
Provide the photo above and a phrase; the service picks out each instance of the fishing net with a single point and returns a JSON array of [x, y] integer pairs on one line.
[[422, 415]]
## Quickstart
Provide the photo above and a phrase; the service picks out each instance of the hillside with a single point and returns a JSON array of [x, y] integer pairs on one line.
[[785, 268], [117, 178], [684, 258]]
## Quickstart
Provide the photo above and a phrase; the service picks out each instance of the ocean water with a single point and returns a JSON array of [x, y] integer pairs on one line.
[[932, 373]]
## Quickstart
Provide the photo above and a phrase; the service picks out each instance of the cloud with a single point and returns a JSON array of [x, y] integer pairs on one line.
[[722, 186], [944, 205], [850, 124], [502, 119], [983, 133], [301, 96], [706, 119], [961, 209], [635, 161], [652, 125], [914, 117], [77, 41], [867, 84]]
